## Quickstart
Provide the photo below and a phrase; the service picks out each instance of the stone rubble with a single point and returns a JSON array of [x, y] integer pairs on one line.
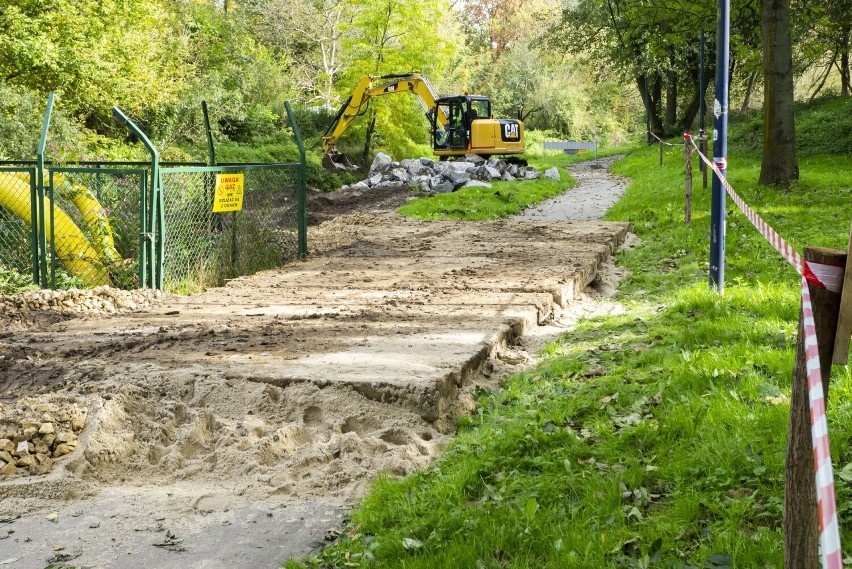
[[34, 432], [433, 177], [96, 301]]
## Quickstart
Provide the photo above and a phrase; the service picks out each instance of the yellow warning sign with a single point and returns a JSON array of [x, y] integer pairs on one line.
[[229, 192]]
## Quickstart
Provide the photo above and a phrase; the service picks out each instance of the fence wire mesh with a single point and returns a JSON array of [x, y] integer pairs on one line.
[[203, 248], [17, 189], [95, 226]]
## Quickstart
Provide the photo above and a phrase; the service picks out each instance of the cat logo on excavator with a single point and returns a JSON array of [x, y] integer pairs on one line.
[[511, 130]]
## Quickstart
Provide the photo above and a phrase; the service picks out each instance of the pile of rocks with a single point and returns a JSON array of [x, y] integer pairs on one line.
[[99, 300], [33, 433], [434, 177]]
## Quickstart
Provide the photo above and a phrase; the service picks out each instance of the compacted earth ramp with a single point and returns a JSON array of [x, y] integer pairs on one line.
[[228, 428]]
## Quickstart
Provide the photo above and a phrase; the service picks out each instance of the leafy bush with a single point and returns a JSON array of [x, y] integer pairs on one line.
[[21, 116]]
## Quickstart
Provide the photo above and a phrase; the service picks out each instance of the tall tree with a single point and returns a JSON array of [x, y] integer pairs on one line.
[[309, 34], [779, 165], [394, 36]]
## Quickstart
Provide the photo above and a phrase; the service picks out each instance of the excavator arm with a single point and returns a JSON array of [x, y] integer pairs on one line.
[[373, 86]]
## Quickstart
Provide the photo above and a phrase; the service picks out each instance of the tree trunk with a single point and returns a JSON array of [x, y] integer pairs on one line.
[[650, 101], [671, 99], [748, 92], [845, 87], [779, 165]]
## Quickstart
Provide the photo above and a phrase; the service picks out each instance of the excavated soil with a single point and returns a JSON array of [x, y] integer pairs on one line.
[[265, 406]]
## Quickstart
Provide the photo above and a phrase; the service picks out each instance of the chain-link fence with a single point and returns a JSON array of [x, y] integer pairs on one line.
[[17, 196], [147, 224], [96, 227], [203, 248]]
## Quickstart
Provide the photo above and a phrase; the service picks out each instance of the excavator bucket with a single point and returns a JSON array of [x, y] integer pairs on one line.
[[336, 161]]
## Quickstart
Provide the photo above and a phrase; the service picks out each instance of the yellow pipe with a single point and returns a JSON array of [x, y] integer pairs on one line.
[[72, 247], [93, 213]]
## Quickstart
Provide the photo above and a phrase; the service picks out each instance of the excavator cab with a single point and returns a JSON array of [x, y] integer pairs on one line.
[[454, 133]]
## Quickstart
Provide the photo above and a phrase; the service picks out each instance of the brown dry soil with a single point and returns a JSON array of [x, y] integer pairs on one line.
[[229, 428]]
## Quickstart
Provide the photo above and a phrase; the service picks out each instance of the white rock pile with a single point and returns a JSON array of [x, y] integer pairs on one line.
[[99, 300], [35, 432], [434, 177]]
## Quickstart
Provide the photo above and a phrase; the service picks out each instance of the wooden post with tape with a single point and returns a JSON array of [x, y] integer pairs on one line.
[[801, 522], [687, 151], [844, 320]]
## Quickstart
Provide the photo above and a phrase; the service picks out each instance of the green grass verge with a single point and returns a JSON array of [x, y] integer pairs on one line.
[[655, 438]]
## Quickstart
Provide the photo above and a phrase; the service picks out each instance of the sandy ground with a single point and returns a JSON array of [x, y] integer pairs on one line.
[[232, 428]]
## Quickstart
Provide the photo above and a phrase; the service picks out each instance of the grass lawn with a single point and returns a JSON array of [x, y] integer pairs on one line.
[[655, 438]]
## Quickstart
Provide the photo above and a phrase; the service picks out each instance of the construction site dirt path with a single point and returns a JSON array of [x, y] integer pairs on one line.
[[229, 428]]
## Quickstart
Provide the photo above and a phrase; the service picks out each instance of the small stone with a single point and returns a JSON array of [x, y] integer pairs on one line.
[[23, 448], [552, 173], [64, 437], [375, 180], [381, 163], [63, 449], [457, 177], [43, 467], [41, 448], [26, 461], [79, 421], [7, 468], [461, 166], [30, 432], [52, 517], [46, 429], [492, 173], [441, 185], [474, 159], [6, 445], [400, 174], [7, 457], [360, 186]]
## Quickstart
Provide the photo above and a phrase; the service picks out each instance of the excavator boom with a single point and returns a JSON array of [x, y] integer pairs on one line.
[[373, 86]]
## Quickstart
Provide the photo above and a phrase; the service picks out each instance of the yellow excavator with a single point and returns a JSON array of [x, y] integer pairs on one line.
[[460, 124]]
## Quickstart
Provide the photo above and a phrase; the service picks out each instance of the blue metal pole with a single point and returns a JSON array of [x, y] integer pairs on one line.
[[702, 110], [720, 148]]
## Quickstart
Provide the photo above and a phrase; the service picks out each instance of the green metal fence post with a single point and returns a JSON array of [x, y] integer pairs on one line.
[[210, 150], [38, 214], [157, 215], [34, 240], [143, 231], [302, 214]]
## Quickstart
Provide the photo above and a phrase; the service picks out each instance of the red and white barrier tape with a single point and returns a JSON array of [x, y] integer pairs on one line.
[[826, 502], [831, 278], [660, 139]]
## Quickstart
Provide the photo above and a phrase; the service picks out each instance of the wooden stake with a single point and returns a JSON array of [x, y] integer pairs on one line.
[[703, 165], [661, 152], [687, 150], [844, 322], [801, 525]]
